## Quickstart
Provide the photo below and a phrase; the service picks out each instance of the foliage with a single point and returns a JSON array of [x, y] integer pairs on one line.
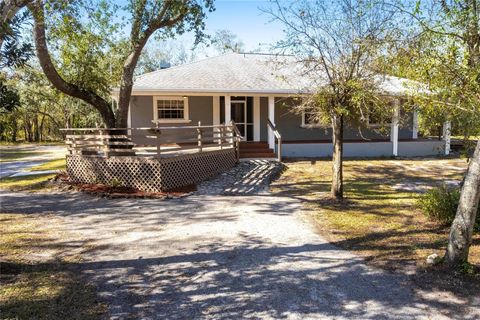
[[440, 204], [225, 41], [14, 52], [442, 53], [163, 19], [9, 99], [338, 44], [163, 54], [42, 110]]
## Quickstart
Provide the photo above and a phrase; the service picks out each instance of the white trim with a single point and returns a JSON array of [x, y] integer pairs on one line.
[[271, 117], [310, 126], [209, 92], [394, 128], [185, 119], [256, 118], [228, 109], [129, 116], [216, 110], [447, 128], [415, 124]]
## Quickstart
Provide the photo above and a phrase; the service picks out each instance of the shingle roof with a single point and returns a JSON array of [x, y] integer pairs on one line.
[[238, 73]]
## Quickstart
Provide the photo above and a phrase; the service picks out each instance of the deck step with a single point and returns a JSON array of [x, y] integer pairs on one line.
[[260, 154], [255, 149]]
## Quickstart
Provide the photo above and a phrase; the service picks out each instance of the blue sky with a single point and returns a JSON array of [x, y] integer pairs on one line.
[[245, 19]]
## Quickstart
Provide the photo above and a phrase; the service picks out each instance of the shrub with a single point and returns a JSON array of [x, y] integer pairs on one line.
[[440, 204]]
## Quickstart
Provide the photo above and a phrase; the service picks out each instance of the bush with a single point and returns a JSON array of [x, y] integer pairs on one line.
[[440, 204]]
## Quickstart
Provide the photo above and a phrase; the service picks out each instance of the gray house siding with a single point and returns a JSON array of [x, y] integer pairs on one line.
[[289, 125], [141, 114], [199, 109], [141, 111], [365, 149]]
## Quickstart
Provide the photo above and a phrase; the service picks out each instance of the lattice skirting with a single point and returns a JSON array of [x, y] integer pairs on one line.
[[150, 174]]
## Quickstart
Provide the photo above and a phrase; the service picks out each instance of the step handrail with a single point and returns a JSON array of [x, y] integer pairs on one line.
[[278, 136]]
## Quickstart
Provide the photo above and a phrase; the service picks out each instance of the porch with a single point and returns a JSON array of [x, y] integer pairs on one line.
[[153, 159]]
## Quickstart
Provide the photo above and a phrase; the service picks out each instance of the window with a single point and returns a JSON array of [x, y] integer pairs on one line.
[[170, 109], [310, 119]]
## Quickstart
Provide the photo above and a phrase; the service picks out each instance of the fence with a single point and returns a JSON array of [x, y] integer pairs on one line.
[[151, 159], [156, 142]]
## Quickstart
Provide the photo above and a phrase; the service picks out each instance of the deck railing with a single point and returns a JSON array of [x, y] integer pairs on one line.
[[156, 141], [278, 136]]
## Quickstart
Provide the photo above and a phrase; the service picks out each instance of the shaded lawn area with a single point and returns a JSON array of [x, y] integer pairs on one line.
[[35, 282], [33, 182], [379, 218], [7, 155]]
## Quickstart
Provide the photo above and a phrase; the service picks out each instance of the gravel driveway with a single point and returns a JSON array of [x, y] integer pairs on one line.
[[219, 257]]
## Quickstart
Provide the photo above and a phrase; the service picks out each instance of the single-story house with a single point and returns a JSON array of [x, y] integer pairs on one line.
[[251, 89]]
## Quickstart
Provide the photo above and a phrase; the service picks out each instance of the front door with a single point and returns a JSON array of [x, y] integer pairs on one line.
[[242, 114]]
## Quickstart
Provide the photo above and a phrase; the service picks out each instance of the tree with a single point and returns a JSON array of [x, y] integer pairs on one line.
[[225, 41], [443, 53], [161, 54], [337, 44], [168, 18]]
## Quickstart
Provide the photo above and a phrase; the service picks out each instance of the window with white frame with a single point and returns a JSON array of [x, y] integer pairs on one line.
[[171, 109], [310, 119]]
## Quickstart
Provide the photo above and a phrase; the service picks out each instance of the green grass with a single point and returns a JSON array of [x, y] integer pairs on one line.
[[378, 218], [58, 164], [33, 182], [39, 290], [24, 183], [17, 155]]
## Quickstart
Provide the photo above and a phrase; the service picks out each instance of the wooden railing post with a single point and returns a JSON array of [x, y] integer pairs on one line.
[[199, 136]]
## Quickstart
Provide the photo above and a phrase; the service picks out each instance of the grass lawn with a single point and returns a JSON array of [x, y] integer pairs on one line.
[[35, 282], [33, 182], [379, 218], [7, 155]]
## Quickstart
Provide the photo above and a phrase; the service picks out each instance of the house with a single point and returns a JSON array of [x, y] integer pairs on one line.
[[251, 89]]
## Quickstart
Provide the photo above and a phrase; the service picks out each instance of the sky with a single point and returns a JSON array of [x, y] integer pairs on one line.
[[245, 19]]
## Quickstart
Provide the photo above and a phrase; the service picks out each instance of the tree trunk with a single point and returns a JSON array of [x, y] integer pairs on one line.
[[36, 129], [462, 226], [337, 160], [54, 77], [126, 85]]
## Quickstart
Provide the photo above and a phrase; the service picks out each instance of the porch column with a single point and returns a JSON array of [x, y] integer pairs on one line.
[[228, 110], [415, 124], [216, 117], [447, 129], [216, 110], [256, 118], [271, 117], [394, 129]]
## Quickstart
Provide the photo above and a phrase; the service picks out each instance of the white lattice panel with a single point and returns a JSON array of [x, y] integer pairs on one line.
[[150, 174]]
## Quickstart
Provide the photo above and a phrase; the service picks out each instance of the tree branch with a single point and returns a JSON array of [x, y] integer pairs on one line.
[[54, 77]]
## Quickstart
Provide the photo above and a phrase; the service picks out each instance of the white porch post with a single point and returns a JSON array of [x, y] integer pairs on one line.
[[216, 110], [216, 117], [256, 118], [271, 117], [415, 124], [394, 128], [447, 128], [228, 110]]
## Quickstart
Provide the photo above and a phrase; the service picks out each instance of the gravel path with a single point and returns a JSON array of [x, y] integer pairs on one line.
[[220, 257]]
